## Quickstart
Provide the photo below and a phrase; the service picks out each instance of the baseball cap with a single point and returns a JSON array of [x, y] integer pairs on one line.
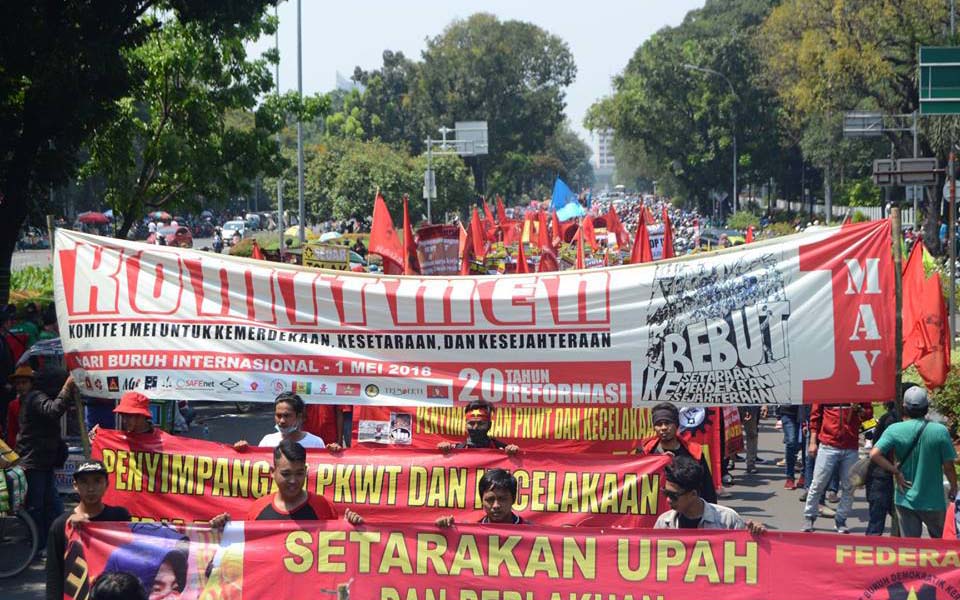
[[88, 467], [134, 403], [916, 398]]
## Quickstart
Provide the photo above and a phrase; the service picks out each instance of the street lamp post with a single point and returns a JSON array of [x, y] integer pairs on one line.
[[302, 208], [733, 124], [276, 41]]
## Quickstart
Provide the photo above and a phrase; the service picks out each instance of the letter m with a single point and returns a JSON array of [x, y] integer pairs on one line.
[[856, 275]]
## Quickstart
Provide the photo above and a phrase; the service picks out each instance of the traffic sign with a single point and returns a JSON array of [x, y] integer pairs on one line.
[[917, 171], [939, 81], [862, 124], [883, 172]]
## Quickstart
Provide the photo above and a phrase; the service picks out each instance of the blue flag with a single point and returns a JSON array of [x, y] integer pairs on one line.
[[571, 211], [561, 195]]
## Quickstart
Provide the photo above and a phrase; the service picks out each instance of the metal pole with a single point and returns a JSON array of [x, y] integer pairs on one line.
[[276, 44], [953, 22], [733, 129], [429, 179], [898, 289], [916, 199], [952, 240], [303, 235]]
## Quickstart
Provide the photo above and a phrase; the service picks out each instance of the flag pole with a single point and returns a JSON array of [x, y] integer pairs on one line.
[[898, 288]]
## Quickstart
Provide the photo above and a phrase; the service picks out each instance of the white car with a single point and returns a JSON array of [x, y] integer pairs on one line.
[[233, 231]]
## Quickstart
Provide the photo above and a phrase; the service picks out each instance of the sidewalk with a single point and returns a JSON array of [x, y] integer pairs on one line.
[[761, 496]]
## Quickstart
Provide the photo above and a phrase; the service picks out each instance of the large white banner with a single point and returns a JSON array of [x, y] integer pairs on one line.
[[804, 318]]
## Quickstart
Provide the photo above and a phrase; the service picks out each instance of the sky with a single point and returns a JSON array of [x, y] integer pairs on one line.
[[338, 36]]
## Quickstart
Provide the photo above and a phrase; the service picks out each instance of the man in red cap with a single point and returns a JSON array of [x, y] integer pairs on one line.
[[479, 421], [134, 411]]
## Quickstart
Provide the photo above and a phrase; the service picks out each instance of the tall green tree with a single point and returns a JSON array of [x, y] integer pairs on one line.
[[344, 175], [830, 56], [62, 70], [176, 141], [677, 125], [509, 73]]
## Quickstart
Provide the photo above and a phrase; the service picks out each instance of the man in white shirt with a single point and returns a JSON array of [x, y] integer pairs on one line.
[[288, 413], [687, 509]]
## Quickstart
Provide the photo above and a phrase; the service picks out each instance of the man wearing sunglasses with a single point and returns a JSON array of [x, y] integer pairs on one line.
[[687, 509]]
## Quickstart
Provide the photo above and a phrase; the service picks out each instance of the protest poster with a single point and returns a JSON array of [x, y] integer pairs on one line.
[[438, 248], [732, 430], [161, 477], [402, 561], [798, 319], [567, 430]]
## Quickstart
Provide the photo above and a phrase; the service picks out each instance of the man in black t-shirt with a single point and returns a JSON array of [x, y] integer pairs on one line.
[[478, 416], [90, 483]]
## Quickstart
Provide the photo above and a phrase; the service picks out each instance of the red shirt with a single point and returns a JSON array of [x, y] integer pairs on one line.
[[839, 426], [314, 508], [321, 421], [13, 421]]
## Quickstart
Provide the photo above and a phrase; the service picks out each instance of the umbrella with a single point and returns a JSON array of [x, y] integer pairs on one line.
[[93, 218], [294, 231], [160, 215], [330, 235]]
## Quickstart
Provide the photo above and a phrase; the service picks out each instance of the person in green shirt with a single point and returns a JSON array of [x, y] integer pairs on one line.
[[50, 330], [918, 472], [28, 323]]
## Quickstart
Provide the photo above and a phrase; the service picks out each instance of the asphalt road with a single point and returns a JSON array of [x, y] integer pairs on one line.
[[760, 497], [42, 258]]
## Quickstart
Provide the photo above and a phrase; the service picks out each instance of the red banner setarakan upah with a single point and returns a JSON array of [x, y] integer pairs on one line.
[[402, 561], [798, 319]]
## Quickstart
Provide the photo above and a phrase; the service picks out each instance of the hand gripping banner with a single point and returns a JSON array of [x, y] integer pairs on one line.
[[161, 477], [331, 559], [799, 319]]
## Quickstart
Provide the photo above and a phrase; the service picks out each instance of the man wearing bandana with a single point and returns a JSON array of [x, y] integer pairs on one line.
[[478, 418], [666, 421]]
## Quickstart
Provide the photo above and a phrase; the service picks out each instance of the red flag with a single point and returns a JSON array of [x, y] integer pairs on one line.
[[581, 262], [556, 231], [614, 225], [257, 252], [548, 253], [487, 215], [501, 211], [384, 240], [478, 235], [522, 266], [667, 235], [749, 237], [641, 242], [926, 337], [511, 230], [466, 249], [411, 263], [586, 228]]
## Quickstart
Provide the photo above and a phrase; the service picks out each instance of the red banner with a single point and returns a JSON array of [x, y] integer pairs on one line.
[[438, 248], [165, 477], [484, 562], [568, 430]]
